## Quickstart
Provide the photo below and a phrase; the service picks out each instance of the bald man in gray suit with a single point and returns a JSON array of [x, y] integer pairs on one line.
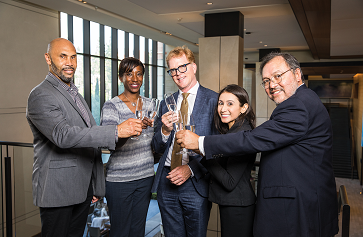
[[67, 169]]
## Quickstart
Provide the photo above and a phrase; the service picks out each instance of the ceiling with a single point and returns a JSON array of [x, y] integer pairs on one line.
[[319, 31]]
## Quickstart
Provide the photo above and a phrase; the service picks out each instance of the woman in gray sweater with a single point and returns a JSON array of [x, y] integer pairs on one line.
[[130, 168]]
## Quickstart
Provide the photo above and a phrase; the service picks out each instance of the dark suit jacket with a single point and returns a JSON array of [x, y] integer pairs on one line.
[[203, 110], [230, 176], [296, 185], [66, 151]]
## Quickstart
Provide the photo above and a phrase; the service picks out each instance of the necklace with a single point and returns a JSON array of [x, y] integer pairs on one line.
[[132, 103]]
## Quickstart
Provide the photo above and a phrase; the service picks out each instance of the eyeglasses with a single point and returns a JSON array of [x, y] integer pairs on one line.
[[182, 68], [275, 79]]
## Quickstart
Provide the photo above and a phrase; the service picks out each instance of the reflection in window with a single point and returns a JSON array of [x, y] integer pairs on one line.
[[63, 25], [78, 34], [108, 42], [120, 87], [108, 79], [121, 44], [160, 83], [90, 88], [160, 55], [95, 38], [131, 45], [78, 76], [150, 80], [95, 89], [142, 49]]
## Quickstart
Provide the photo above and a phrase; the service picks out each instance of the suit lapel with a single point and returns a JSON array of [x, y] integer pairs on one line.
[[70, 99], [200, 100]]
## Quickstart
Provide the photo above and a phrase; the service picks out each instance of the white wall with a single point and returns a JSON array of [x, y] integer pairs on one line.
[[25, 31]]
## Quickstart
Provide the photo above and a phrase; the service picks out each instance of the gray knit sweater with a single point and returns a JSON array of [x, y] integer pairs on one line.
[[134, 160]]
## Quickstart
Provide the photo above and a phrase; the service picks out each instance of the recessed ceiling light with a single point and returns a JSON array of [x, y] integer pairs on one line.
[[209, 3], [84, 2], [260, 42], [265, 45]]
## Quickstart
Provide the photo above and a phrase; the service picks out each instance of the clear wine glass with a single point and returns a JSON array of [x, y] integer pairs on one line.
[[153, 108], [139, 113], [179, 124], [189, 124], [170, 102]]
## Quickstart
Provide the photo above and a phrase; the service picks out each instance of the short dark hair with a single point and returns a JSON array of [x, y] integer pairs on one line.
[[128, 64], [290, 60], [243, 98]]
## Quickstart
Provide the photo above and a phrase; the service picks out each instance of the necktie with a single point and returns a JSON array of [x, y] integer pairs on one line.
[[176, 160]]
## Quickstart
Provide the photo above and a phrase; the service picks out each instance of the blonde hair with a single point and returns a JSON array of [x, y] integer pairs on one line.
[[179, 52]]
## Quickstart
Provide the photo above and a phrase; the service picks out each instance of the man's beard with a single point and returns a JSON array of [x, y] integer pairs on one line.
[[58, 72]]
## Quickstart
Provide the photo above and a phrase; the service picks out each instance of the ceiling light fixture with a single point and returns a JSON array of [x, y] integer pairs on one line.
[[265, 45], [209, 3]]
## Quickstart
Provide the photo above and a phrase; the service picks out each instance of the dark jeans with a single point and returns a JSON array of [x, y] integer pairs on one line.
[[128, 203], [67, 221]]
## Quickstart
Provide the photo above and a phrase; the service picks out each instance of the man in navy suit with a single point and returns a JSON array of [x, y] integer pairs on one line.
[[296, 186], [182, 192]]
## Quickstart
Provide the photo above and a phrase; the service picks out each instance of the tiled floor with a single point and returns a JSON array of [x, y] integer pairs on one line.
[[355, 198]]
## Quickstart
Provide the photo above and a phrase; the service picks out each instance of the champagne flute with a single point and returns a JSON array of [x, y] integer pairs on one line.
[[170, 102], [153, 109], [139, 113], [179, 124], [188, 125]]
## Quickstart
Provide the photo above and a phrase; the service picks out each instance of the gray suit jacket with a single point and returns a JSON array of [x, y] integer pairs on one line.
[[66, 151]]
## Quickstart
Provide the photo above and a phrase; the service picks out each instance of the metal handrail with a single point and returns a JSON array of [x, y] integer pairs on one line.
[[16, 144], [8, 188]]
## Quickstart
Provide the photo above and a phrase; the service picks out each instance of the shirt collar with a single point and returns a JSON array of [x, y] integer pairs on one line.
[[62, 84], [192, 90]]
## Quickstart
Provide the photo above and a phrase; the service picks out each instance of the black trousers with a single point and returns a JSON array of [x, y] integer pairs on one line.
[[237, 221], [67, 221]]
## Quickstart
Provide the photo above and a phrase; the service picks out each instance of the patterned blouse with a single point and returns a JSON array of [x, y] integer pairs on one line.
[[134, 160]]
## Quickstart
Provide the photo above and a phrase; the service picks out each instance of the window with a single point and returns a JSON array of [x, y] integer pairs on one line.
[[100, 49]]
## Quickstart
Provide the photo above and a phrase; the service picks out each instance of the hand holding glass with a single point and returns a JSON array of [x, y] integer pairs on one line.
[[189, 124], [139, 113]]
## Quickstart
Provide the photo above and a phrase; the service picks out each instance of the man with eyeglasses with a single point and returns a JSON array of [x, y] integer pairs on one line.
[[296, 193], [182, 192]]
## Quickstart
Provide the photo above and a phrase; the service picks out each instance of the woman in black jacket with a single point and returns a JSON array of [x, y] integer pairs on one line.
[[230, 185]]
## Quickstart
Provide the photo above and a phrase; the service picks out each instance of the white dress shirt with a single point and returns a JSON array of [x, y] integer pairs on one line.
[[191, 99]]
